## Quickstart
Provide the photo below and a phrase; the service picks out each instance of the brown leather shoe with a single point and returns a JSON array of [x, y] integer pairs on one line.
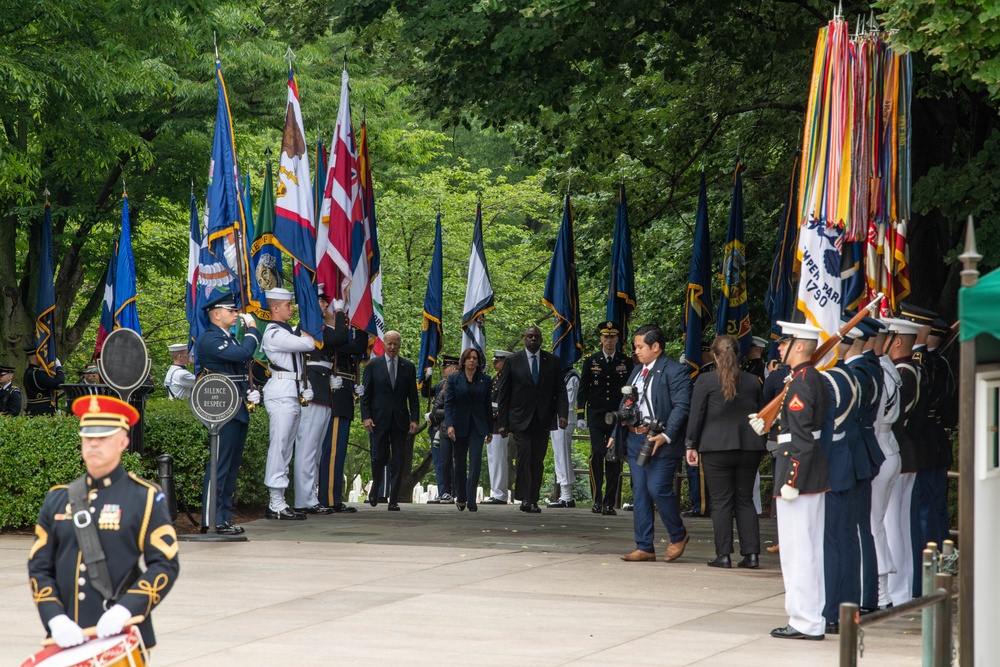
[[774, 549], [676, 549], [639, 556]]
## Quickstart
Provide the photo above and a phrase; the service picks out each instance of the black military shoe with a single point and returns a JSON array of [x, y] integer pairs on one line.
[[609, 511], [347, 509], [596, 509], [562, 503], [229, 529], [788, 632], [287, 514], [314, 509], [393, 507], [533, 508]]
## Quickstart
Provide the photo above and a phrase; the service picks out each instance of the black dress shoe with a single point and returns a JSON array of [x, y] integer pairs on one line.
[[383, 499], [833, 628], [239, 530], [434, 501], [525, 507], [722, 560], [563, 503], [750, 562], [493, 501], [596, 509], [286, 514], [533, 508], [688, 514], [393, 507], [373, 500], [473, 508], [347, 509], [314, 509], [788, 632], [609, 511]]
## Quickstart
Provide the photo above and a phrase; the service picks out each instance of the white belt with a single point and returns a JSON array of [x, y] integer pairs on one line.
[[284, 375], [324, 364], [787, 437]]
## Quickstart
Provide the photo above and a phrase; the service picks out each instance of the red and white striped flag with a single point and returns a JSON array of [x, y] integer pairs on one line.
[[341, 205]]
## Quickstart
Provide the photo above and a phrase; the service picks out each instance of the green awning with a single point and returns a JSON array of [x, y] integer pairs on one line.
[[979, 308]]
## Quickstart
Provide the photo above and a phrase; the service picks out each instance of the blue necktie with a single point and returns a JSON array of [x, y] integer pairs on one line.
[[534, 369]]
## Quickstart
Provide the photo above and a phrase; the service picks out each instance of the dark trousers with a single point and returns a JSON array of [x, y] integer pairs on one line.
[[653, 485], [869, 561], [694, 489], [600, 467], [928, 517], [468, 465], [387, 449], [232, 439], [332, 456], [529, 461], [730, 476], [841, 552]]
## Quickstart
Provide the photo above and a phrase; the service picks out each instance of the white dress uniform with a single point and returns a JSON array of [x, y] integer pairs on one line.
[[882, 485], [178, 382], [562, 444], [312, 427], [281, 398]]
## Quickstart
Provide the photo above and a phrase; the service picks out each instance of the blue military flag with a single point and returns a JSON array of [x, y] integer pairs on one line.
[[107, 321], [733, 317], [621, 291], [45, 299], [430, 337], [779, 302], [562, 294], [126, 315], [319, 183], [698, 302]]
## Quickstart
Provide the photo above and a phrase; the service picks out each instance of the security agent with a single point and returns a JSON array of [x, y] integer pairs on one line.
[[10, 395], [753, 362], [90, 374], [603, 374], [40, 387], [74, 587], [218, 351], [179, 381], [943, 419], [800, 473]]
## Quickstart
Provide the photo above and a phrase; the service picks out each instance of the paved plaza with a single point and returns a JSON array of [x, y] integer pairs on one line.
[[433, 586]]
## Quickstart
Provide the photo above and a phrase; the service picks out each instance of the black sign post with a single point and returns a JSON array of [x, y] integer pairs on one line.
[[215, 400]]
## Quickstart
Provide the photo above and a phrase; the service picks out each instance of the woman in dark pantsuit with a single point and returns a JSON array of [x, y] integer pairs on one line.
[[468, 412], [730, 450]]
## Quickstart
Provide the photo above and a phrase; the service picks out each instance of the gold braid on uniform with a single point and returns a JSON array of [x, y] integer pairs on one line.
[[43, 595], [151, 591]]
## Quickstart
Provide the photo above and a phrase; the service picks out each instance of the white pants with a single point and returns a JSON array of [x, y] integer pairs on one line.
[[496, 461], [284, 412], [800, 525], [562, 455], [312, 428], [897, 526], [881, 489]]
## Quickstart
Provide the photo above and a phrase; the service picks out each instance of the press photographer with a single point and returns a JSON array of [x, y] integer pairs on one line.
[[652, 419]]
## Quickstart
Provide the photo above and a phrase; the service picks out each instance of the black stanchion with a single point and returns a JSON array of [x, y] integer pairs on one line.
[[165, 477]]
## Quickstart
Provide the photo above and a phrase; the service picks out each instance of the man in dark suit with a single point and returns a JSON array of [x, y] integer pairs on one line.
[[664, 390], [390, 408], [532, 401]]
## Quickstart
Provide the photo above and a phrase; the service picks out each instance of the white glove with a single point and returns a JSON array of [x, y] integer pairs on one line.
[[336, 382], [789, 493], [757, 424], [65, 632], [59, 365], [112, 621], [429, 371], [248, 321], [307, 394], [581, 424], [253, 396], [359, 389], [338, 304], [427, 417]]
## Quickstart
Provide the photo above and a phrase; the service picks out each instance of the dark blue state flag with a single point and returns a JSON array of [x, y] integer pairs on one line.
[[698, 302], [107, 322], [430, 337], [733, 317], [126, 315], [780, 299], [45, 299], [621, 291], [562, 294]]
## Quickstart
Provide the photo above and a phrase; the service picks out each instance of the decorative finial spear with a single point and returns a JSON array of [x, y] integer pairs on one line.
[[289, 56], [970, 257], [215, 41]]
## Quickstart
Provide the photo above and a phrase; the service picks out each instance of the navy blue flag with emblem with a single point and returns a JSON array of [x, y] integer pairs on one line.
[[733, 317], [430, 337], [45, 299], [126, 315], [698, 302], [621, 291], [780, 299], [562, 294]]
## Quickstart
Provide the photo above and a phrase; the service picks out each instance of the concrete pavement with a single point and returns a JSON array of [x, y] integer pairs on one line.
[[430, 585]]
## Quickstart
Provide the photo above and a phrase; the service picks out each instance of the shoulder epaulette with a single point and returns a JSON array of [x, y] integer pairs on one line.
[[144, 482]]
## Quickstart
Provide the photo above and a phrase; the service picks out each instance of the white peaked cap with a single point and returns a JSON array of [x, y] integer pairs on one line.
[[800, 330]]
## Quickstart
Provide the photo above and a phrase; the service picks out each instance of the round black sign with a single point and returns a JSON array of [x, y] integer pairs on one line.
[[215, 399]]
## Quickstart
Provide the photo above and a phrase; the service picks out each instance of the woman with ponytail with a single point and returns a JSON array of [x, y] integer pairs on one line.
[[729, 449]]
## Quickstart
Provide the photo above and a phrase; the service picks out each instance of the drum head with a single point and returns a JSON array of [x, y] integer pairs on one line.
[[117, 651], [124, 362]]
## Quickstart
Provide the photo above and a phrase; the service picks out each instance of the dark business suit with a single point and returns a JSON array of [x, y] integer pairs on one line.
[[667, 387], [529, 410], [468, 408], [391, 407], [730, 453]]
